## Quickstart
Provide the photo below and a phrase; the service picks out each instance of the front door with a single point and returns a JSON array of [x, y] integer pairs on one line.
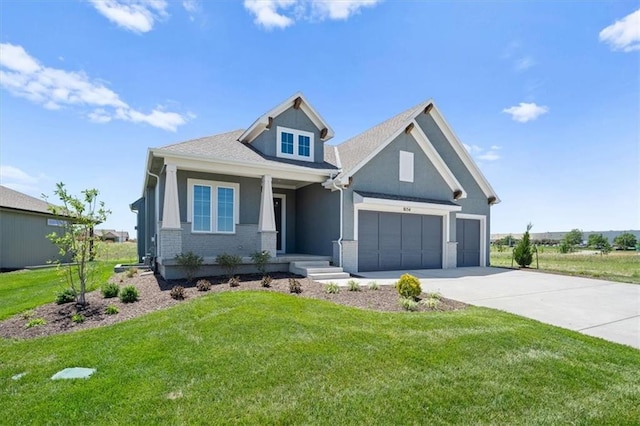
[[277, 208]]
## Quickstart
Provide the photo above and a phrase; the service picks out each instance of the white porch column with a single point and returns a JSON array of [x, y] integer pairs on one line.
[[267, 220], [171, 206]]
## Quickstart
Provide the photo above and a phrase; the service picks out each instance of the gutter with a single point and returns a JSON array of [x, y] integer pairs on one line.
[[341, 189]]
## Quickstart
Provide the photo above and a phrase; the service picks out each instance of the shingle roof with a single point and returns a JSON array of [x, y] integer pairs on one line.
[[353, 151], [17, 200], [225, 146]]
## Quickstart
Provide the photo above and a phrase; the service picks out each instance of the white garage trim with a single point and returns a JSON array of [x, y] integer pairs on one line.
[[483, 233]]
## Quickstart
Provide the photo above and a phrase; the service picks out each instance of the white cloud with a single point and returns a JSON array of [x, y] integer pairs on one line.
[[489, 156], [134, 15], [495, 147], [23, 76], [524, 63], [478, 152], [283, 13], [623, 34], [526, 111], [19, 180], [191, 7]]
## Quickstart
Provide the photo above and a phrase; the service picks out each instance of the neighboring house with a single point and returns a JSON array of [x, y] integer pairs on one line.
[[403, 195], [25, 222], [112, 235]]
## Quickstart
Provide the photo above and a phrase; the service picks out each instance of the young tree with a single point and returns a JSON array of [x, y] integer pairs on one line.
[[599, 242], [523, 253], [625, 241], [573, 237], [79, 215]]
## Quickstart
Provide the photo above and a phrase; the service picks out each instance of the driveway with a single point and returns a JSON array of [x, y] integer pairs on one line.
[[598, 308]]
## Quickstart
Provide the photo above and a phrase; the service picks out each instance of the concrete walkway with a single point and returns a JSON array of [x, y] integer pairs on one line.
[[599, 308]]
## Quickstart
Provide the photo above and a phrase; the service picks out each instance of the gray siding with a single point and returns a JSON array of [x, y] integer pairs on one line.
[[23, 239], [293, 119], [317, 220]]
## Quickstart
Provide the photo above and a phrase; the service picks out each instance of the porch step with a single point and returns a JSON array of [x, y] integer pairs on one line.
[[317, 270]]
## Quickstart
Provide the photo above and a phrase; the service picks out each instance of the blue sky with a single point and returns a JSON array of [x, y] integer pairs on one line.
[[546, 95]]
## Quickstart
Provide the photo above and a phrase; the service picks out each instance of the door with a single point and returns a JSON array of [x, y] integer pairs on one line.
[[395, 241], [468, 236], [278, 215]]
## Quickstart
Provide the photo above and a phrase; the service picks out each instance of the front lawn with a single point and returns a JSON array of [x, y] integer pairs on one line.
[[258, 357], [26, 289]]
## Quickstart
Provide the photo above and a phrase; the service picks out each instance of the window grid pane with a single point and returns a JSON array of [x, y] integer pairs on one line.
[[304, 144], [201, 208], [287, 143], [225, 209]]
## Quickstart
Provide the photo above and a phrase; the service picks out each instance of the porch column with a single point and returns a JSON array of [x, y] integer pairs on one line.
[[171, 207], [267, 220]]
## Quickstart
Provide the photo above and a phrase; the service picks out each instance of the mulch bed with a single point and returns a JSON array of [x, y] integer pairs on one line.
[[154, 295]]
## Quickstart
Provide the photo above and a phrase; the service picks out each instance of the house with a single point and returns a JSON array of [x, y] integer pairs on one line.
[[25, 222], [403, 195], [112, 235]]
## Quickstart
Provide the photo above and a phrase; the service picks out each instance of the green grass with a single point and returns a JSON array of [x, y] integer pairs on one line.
[[22, 290], [269, 358], [616, 266], [120, 252]]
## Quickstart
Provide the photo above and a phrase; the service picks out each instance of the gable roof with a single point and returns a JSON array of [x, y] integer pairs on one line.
[[357, 151], [296, 100], [12, 199]]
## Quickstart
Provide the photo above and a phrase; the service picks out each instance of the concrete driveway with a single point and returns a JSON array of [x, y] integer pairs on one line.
[[599, 308]]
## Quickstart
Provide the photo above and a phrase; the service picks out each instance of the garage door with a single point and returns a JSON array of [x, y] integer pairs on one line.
[[398, 241], [468, 236]]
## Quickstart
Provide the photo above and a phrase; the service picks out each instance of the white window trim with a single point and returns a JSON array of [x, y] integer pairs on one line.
[[214, 185], [483, 233], [295, 133], [406, 165]]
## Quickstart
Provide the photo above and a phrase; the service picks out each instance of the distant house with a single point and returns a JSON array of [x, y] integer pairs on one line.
[[112, 235], [25, 222], [403, 195]]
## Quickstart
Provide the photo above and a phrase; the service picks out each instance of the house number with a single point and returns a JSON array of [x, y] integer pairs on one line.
[[406, 209]]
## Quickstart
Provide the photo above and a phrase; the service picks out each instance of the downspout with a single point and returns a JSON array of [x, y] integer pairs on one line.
[[156, 239], [341, 214]]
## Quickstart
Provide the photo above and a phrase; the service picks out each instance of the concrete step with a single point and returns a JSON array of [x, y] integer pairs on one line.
[[311, 264], [329, 276]]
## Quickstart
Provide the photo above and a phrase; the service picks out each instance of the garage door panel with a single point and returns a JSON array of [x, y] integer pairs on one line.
[[390, 231], [368, 261], [411, 260], [432, 259], [390, 260], [368, 230], [468, 236], [431, 233]]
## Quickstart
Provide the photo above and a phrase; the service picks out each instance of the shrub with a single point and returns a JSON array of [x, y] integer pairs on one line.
[[110, 290], [408, 286], [260, 259], [177, 292], [65, 296], [111, 310], [234, 282], [433, 295], [266, 281], [565, 247], [332, 288], [28, 314], [35, 322], [131, 272], [373, 285], [203, 285], [77, 318], [190, 263], [229, 262], [129, 294], [294, 286], [523, 253], [431, 302], [408, 304], [353, 285]]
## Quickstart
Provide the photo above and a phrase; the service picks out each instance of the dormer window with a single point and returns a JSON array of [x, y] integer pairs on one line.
[[295, 144]]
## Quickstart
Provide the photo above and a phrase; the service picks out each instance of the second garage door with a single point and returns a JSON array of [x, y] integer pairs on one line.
[[398, 241], [468, 233]]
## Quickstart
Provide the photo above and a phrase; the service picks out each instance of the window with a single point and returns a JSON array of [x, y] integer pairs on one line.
[[406, 166], [212, 207], [56, 222], [295, 144]]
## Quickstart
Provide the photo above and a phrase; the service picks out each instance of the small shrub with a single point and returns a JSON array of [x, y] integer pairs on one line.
[[77, 318], [234, 282], [190, 263], [260, 259], [294, 286], [353, 285], [408, 286], [35, 322], [431, 302], [332, 288], [523, 253], [433, 295], [65, 296], [408, 304], [266, 281], [111, 310], [131, 272], [203, 285], [229, 262], [177, 292], [110, 290], [373, 285], [28, 314], [129, 294]]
